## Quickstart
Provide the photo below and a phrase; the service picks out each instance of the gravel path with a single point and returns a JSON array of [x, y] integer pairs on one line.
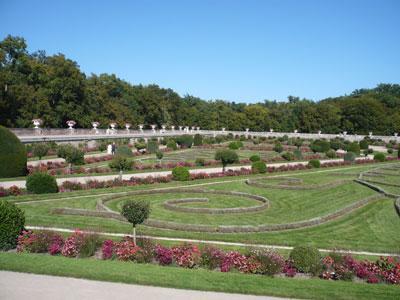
[[15, 285], [83, 179]]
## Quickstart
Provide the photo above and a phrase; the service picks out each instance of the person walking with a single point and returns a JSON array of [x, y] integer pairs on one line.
[[113, 148]]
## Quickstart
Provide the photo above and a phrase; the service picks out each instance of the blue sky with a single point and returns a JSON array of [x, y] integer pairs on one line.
[[234, 50]]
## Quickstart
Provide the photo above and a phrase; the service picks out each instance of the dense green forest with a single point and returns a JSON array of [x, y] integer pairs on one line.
[[53, 88]]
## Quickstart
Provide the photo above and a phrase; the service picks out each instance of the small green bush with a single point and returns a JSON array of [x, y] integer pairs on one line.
[[353, 147], [185, 141], [255, 158], [140, 146], [363, 144], [390, 151], [62, 150], [297, 154], [235, 145], [180, 173], [152, 146], [171, 144], [12, 221], [258, 167], [298, 142], [331, 153], [41, 183], [226, 157], [314, 163], [71, 154], [40, 149], [379, 157], [120, 163], [321, 146], [336, 145], [200, 161], [89, 245], [75, 156], [289, 156], [12, 155], [159, 154], [306, 259], [278, 147], [198, 140], [350, 157], [219, 139], [124, 151], [102, 146]]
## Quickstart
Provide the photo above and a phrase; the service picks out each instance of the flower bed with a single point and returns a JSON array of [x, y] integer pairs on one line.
[[334, 266]]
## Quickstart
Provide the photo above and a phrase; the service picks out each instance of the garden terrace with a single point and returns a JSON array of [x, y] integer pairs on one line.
[[352, 230]]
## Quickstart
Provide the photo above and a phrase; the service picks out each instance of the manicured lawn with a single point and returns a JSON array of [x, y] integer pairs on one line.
[[374, 227], [199, 279]]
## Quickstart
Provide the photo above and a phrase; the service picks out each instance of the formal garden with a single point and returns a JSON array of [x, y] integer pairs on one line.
[[323, 226]]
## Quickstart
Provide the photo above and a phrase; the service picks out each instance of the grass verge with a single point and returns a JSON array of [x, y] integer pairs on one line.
[[200, 279]]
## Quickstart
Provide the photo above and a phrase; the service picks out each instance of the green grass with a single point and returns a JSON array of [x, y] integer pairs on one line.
[[199, 279], [374, 227]]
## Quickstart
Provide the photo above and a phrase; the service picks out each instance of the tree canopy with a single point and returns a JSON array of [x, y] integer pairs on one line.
[[54, 89]]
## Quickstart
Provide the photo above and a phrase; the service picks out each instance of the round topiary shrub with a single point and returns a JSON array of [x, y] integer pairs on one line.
[[380, 157], [12, 220], [12, 155], [350, 157], [255, 158], [258, 167], [306, 259], [136, 212], [41, 183], [314, 163], [180, 173]]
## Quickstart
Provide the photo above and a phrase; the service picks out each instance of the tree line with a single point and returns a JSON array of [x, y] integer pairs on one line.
[[54, 89]]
